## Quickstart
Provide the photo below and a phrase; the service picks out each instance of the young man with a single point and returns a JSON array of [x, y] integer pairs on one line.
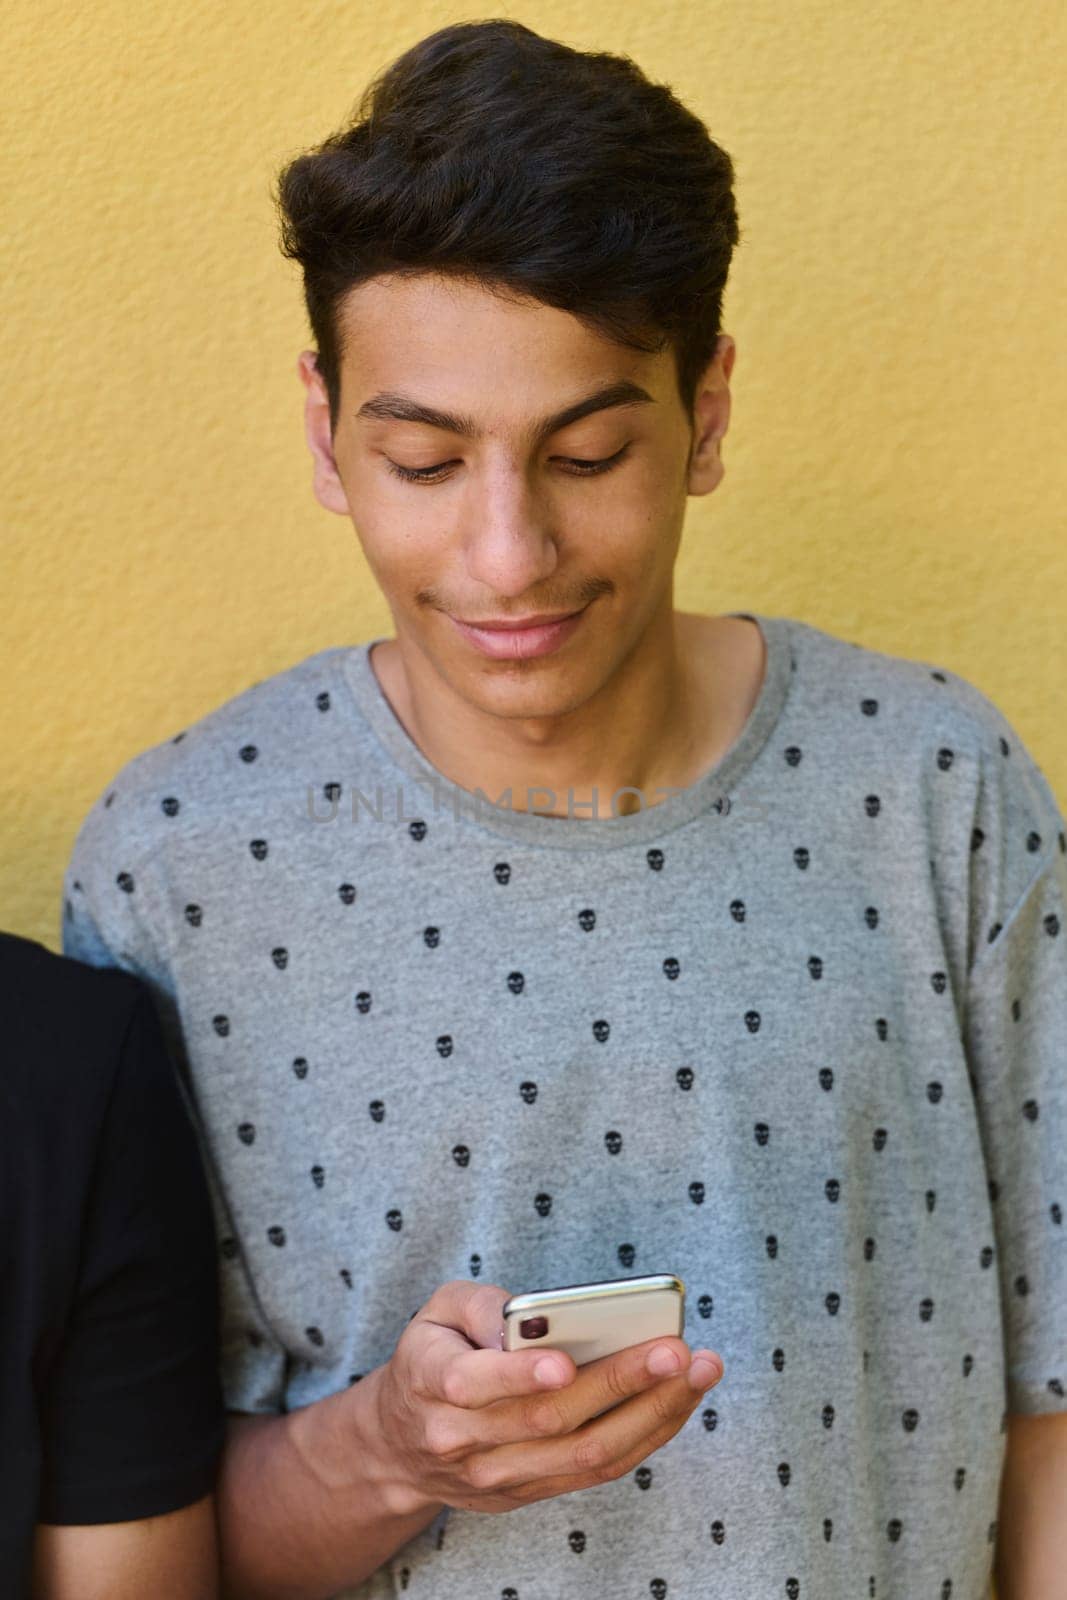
[[111, 1420], [507, 956]]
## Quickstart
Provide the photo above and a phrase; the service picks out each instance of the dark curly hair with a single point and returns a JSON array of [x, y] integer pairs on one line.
[[493, 154]]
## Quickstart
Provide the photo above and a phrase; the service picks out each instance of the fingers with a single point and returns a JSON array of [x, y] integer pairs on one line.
[[461, 1364], [450, 1370], [598, 1386], [593, 1453], [605, 1382], [473, 1379]]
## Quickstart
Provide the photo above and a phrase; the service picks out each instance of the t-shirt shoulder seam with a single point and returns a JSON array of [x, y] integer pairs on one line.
[[135, 777]]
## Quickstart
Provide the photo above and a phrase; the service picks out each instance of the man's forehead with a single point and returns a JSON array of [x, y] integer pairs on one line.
[[406, 342], [424, 291]]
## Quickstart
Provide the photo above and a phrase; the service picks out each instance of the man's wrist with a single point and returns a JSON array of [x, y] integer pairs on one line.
[[342, 1446]]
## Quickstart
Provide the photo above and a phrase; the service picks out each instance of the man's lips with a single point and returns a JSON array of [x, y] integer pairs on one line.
[[520, 643], [538, 621]]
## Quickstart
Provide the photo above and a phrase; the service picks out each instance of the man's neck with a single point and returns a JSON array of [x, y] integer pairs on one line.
[[667, 714]]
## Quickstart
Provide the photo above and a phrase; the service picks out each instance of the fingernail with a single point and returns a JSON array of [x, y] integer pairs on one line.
[[549, 1372], [663, 1360], [703, 1372]]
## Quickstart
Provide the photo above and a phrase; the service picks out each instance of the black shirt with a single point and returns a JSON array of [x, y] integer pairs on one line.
[[110, 1405]]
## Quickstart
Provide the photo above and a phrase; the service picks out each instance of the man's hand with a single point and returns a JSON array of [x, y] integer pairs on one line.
[[461, 1422], [317, 1499]]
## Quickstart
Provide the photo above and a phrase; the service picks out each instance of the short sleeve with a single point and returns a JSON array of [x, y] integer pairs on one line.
[[113, 911], [132, 1419], [1015, 1031]]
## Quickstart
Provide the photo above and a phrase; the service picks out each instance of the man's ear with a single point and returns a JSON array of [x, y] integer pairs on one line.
[[711, 409], [327, 486]]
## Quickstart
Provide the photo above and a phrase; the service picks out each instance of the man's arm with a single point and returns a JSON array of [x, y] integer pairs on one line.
[[1015, 1006], [1031, 1555], [174, 1555], [303, 1506], [130, 1412]]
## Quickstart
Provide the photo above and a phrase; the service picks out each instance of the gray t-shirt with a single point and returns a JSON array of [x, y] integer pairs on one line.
[[797, 1034]]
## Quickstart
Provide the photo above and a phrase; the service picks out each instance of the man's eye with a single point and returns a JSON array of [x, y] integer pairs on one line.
[[577, 469]]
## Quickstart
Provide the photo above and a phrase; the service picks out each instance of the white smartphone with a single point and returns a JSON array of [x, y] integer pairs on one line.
[[589, 1320]]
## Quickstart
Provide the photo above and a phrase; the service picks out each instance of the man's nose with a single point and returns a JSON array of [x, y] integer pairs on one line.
[[510, 542]]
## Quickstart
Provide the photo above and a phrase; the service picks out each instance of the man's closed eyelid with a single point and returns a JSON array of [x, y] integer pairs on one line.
[[584, 467]]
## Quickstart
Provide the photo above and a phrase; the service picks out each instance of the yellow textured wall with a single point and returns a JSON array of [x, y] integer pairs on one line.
[[895, 462]]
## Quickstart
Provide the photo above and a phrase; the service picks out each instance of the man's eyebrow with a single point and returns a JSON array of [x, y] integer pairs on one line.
[[392, 406]]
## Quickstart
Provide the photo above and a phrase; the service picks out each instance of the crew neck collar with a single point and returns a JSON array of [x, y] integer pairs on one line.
[[442, 800]]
